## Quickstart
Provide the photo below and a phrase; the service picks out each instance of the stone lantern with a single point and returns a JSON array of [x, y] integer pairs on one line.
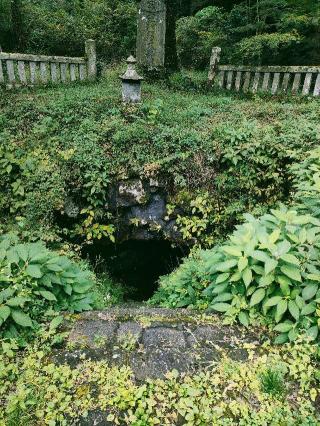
[[131, 83]]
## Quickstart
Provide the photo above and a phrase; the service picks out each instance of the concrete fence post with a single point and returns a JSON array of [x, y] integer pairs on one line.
[[91, 56], [214, 63]]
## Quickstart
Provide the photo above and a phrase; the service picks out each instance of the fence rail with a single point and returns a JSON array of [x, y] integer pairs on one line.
[[17, 69], [270, 79]]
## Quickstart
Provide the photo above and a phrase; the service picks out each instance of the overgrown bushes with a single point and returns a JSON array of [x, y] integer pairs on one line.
[[36, 284], [219, 156], [269, 266]]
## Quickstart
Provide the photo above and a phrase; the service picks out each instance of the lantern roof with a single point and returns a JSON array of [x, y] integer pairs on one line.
[[131, 73]]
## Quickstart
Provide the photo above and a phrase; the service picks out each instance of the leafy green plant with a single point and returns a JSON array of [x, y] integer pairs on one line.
[[269, 266], [272, 382], [36, 284]]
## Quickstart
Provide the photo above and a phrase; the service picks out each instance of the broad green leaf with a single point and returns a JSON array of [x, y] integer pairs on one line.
[[22, 251], [34, 271], [285, 284], [247, 277], [54, 267], [222, 278], [266, 280], [270, 266], [300, 302], [257, 297], [303, 236], [314, 277], [220, 288], [293, 334], [21, 318], [282, 307], [283, 327], [220, 307], [82, 287], [313, 332], [281, 339], [12, 256], [48, 295], [232, 251], [309, 291], [260, 255], [273, 301], [235, 277], [243, 263], [243, 318], [4, 312], [224, 297], [290, 258], [308, 309], [273, 238], [56, 322], [294, 310], [292, 272], [17, 301], [258, 269], [227, 265], [282, 248]]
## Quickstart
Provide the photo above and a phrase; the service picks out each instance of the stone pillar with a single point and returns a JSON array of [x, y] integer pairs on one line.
[[214, 63], [91, 56], [151, 35]]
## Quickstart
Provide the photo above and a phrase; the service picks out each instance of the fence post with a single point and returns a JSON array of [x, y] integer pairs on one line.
[[91, 55], [214, 63]]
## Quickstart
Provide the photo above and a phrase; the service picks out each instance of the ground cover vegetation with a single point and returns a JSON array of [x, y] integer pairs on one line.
[[278, 386], [220, 157]]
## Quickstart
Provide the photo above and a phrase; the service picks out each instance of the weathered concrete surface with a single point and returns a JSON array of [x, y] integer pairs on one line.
[[154, 341]]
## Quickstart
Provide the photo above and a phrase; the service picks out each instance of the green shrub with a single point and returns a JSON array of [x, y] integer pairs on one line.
[[36, 284], [307, 183], [272, 382], [73, 143], [269, 266]]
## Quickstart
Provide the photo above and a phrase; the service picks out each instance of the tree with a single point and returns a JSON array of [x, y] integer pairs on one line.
[[11, 29]]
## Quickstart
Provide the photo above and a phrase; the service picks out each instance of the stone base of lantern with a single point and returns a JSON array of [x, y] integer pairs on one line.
[[131, 92]]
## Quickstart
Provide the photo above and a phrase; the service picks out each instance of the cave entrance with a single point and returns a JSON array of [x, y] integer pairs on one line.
[[138, 264]]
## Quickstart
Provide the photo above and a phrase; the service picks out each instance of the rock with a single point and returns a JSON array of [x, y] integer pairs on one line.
[[164, 337], [71, 208], [154, 341], [154, 211], [95, 333], [161, 361], [131, 193], [128, 329]]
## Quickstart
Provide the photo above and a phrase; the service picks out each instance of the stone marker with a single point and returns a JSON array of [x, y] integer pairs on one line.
[[91, 56], [214, 63], [131, 83], [151, 35]]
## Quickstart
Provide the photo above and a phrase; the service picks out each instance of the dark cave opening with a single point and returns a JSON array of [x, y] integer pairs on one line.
[[137, 264]]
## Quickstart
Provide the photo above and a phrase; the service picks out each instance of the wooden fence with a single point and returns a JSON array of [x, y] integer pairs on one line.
[[268, 79], [18, 69]]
